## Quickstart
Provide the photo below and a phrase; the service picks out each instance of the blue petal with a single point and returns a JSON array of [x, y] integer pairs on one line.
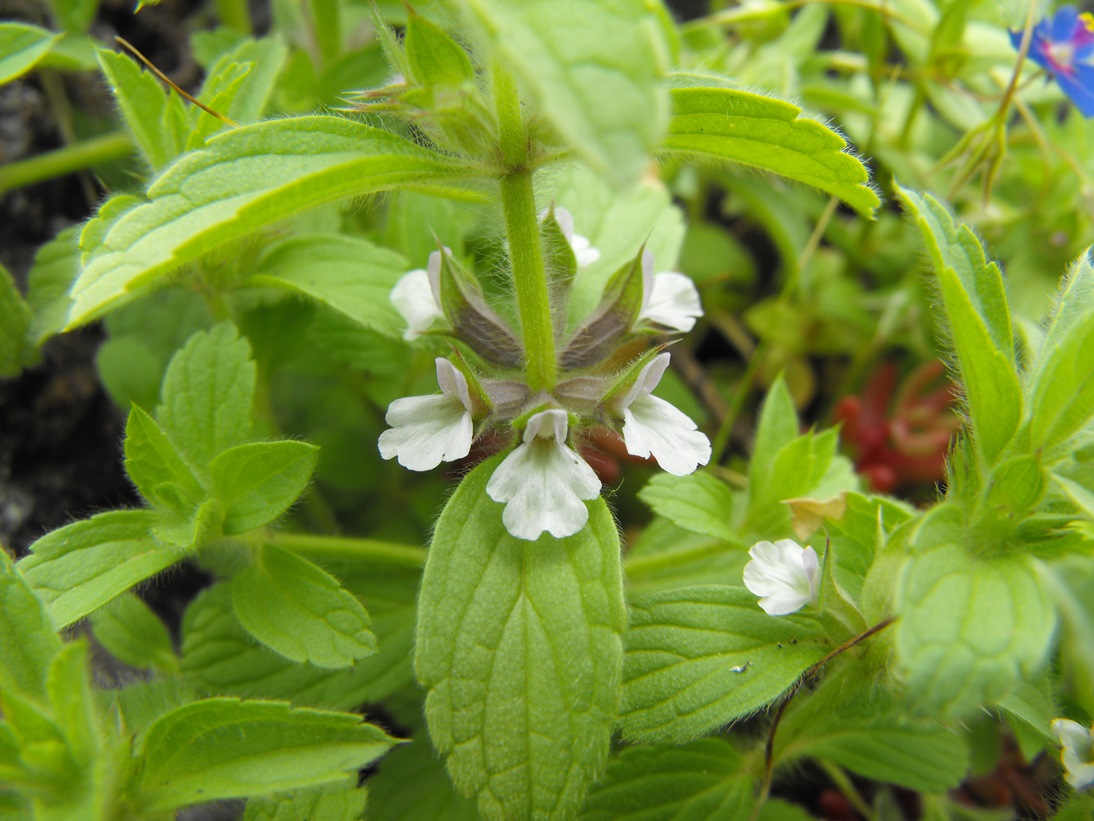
[[1080, 88], [1063, 24]]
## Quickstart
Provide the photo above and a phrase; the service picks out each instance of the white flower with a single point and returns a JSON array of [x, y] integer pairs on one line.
[[543, 482], [1077, 754], [428, 430], [653, 426], [583, 250], [669, 299], [785, 574], [417, 296]]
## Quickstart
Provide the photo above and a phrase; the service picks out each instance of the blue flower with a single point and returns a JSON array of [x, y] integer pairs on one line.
[[1064, 45]]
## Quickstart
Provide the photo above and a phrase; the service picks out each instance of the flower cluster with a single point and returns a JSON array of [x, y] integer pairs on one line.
[[544, 482], [1064, 45]]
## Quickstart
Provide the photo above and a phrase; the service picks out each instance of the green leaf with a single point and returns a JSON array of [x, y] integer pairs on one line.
[[227, 748], [341, 802], [778, 427], [519, 647], [1071, 304], [708, 778], [243, 180], [806, 467], [435, 59], [220, 656], [15, 328], [264, 60], [701, 657], [69, 686], [969, 629], [350, 275], [208, 392], [750, 129], [870, 734], [1062, 395], [256, 483], [593, 69], [698, 502], [143, 103], [80, 567], [21, 47], [300, 611], [26, 634], [48, 284], [74, 15], [132, 633], [157, 469], [978, 321], [413, 786]]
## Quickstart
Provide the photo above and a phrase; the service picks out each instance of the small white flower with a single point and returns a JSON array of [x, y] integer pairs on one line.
[[543, 482], [428, 430], [785, 574], [1077, 754], [669, 299], [653, 426], [417, 296], [583, 250]]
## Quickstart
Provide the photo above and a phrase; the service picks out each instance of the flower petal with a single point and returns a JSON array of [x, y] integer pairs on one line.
[[413, 297], [673, 302], [1077, 754], [426, 430], [543, 482], [784, 574], [653, 426]]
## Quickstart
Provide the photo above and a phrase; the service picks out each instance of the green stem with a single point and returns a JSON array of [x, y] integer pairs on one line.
[[522, 230], [390, 554], [326, 15], [235, 15], [66, 160]]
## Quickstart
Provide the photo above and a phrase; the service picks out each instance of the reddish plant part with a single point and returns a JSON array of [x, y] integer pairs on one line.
[[900, 440]]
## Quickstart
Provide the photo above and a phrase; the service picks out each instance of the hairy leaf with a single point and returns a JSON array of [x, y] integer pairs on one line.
[[701, 657], [348, 274], [258, 482], [243, 180], [227, 748], [707, 778], [722, 123], [26, 634], [698, 502], [207, 395], [132, 633], [970, 628], [861, 726], [300, 611], [519, 647], [978, 321], [82, 566]]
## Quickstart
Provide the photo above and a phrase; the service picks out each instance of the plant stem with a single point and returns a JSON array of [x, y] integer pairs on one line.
[[235, 15], [326, 15], [522, 230], [66, 160], [390, 554]]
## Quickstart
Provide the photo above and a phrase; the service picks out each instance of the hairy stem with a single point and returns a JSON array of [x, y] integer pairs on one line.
[[522, 230]]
